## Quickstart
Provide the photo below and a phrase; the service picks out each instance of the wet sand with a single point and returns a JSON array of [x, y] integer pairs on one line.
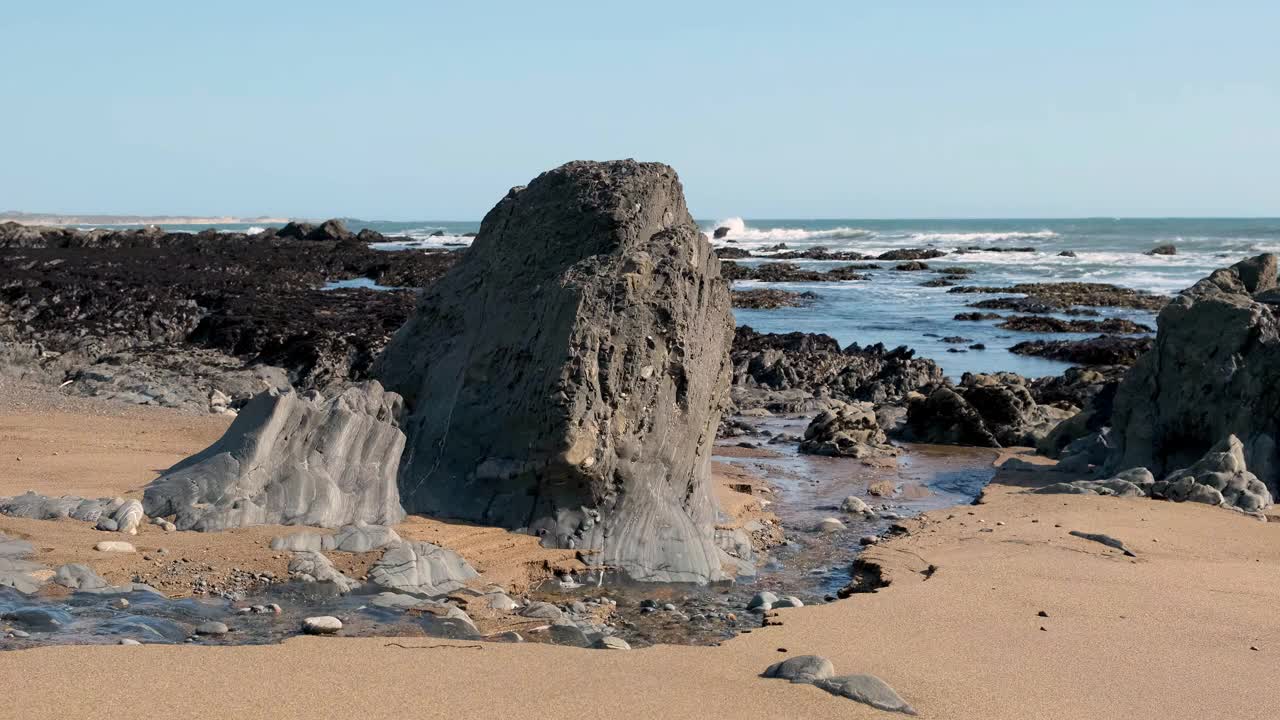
[[1167, 634]]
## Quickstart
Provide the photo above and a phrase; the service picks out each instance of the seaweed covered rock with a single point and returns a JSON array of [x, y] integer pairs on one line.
[[566, 376], [292, 459], [1211, 373]]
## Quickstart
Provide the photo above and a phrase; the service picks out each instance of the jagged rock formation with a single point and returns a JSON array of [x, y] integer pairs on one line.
[[994, 410], [109, 514], [565, 377], [1212, 373], [794, 372], [1101, 350], [847, 431], [1219, 478], [289, 459]]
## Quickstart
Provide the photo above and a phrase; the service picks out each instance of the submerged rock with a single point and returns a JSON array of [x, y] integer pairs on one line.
[[1211, 374], [596, 303], [291, 459]]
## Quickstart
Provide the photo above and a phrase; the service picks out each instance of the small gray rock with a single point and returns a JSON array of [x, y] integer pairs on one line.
[[321, 625], [802, 669], [762, 601], [866, 689]]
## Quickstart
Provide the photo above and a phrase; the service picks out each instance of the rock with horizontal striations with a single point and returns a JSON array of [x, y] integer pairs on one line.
[[802, 669], [868, 690], [128, 517], [609, 642], [292, 459], [423, 568], [1219, 478], [566, 375], [310, 566], [15, 570], [1211, 374], [361, 538]]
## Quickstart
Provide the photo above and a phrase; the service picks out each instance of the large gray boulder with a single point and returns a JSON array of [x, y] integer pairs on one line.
[[1212, 373], [292, 459], [420, 567], [566, 376]]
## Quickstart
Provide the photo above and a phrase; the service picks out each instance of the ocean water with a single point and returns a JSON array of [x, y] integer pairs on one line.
[[891, 307]]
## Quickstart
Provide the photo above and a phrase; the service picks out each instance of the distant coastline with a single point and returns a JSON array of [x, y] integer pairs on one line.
[[52, 219]]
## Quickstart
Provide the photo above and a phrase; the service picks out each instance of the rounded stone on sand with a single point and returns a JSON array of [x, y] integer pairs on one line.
[[321, 625]]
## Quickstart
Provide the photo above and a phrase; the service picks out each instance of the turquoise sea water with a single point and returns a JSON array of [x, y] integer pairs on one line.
[[891, 307]]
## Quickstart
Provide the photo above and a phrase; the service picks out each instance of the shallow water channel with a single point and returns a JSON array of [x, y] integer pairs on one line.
[[810, 565]]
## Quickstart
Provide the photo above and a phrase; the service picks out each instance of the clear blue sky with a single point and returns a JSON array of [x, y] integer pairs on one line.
[[431, 110]]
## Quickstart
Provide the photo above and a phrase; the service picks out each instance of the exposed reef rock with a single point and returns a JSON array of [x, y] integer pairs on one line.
[[1072, 294], [159, 318], [1219, 478], [1102, 350], [994, 410], [1212, 373], [566, 376], [1024, 323], [770, 299], [795, 372], [292, 459], [788, 272]]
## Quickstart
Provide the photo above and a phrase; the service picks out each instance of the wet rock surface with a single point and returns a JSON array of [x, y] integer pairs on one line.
[[1023, 323], [1067, 295], [847, 430], [597, 299], [787, 272]]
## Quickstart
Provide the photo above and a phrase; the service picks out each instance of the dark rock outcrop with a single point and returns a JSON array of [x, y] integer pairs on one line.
[[1102, 350], [1041, 324], [793, 368], [163, 318], [566, 376], [1163, 250], [994, 410], [1212, 373], [771, 298], [787, 272], [911, 254], [290, 459], [1066, 295]]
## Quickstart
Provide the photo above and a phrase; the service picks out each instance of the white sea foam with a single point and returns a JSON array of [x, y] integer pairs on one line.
[[740, 232], [254, 230]]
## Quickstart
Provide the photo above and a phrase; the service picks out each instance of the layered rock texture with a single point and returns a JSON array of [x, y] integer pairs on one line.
[[1211, 374], [289, 459], [565, 377]]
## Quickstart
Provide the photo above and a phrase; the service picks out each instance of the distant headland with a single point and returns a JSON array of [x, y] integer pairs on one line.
[[53, 219]]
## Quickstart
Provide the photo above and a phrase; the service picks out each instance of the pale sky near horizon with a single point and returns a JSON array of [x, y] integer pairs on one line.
[[428, 110]]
